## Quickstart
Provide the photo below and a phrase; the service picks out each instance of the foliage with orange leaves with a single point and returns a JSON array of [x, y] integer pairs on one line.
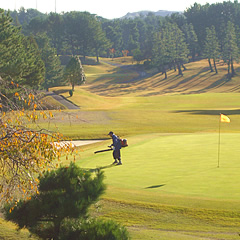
[[125, 53], [112, 52], [25, 152]]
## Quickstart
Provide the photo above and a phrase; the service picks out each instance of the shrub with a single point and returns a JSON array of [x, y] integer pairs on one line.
[[60, 210], [93, 230]]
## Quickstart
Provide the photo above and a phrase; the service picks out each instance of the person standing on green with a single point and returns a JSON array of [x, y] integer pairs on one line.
[[116, 145]]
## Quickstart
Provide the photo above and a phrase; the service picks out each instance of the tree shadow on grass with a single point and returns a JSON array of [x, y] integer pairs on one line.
[[60, 91], [210, 112], [155, 186]]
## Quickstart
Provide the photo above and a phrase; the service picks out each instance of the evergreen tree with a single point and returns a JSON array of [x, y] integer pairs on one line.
[[34, 70], [37, 25], [80, 30], [211, 47], [191, 39], [230, 52], [74, 73], [100, 42], [10, 55], [177, 47], [113, 34], [20, 59], [130, 35], [65, 193], [170, 49], [55, 25], [60, 209], [54, 70], [161, 58]]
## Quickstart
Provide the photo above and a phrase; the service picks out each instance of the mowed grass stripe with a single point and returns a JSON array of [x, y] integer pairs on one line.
[[140, 115]]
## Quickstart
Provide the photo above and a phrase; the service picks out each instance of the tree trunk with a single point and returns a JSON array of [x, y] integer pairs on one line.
[[193, 55], [165, 74], [97, 56], [210, 65], [229, 73], [184, 68], [179, 70], [215, 67], [73, 85], [232, 68], [174, 65], [56, 231]]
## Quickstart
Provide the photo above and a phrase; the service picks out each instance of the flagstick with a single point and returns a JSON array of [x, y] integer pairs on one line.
[[219, 140]]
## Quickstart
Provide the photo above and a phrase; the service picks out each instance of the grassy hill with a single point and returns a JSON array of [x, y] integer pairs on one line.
[[115, 97], [197, 79], [170, 185]]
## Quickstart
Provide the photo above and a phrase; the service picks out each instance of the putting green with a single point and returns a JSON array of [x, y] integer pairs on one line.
[[178, 164]]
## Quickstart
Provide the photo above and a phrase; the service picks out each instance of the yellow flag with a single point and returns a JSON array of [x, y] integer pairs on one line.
[[224, 118]]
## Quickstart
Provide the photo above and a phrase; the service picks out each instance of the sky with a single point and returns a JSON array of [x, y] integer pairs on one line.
[[109, 9]]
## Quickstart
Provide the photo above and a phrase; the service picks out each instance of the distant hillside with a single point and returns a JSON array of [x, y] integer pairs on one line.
[[109, 80], [162, 13]]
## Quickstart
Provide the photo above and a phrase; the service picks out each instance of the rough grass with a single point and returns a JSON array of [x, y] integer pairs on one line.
[[196, 79], [8, 231]]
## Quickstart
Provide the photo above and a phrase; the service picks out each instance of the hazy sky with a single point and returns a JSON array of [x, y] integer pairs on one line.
[[105, 8]]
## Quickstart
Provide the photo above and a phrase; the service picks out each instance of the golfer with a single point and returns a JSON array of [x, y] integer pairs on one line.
[[116, 145]]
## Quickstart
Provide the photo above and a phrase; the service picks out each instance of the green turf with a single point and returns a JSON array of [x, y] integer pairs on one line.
[[170, 185], [180, 164], [128, 116]]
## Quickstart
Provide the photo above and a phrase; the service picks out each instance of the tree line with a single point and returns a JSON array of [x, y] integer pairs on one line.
[[203, 31]]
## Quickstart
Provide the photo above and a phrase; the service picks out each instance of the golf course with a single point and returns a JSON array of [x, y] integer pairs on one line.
[[180, 173]]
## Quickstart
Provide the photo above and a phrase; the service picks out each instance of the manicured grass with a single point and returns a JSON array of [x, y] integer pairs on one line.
[[179, 164], [128, 116], [169, 186]]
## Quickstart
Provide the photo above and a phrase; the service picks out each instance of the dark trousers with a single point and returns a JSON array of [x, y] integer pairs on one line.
[[117, 154]]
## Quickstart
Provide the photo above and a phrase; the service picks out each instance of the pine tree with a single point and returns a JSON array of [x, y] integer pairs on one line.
[[74, 72], [20, 59], [178, 50], [211, 47], [160, 58], [191, 39], [65, 193], [60, 209], [100, 42], [55, 31], [11, 48], [34, 69], [54, 70], [230, 49]]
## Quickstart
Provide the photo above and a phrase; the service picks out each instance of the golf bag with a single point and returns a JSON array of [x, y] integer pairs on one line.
[[123, 142]]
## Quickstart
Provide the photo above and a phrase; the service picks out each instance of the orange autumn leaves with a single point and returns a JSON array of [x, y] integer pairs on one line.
[[25, 152]]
